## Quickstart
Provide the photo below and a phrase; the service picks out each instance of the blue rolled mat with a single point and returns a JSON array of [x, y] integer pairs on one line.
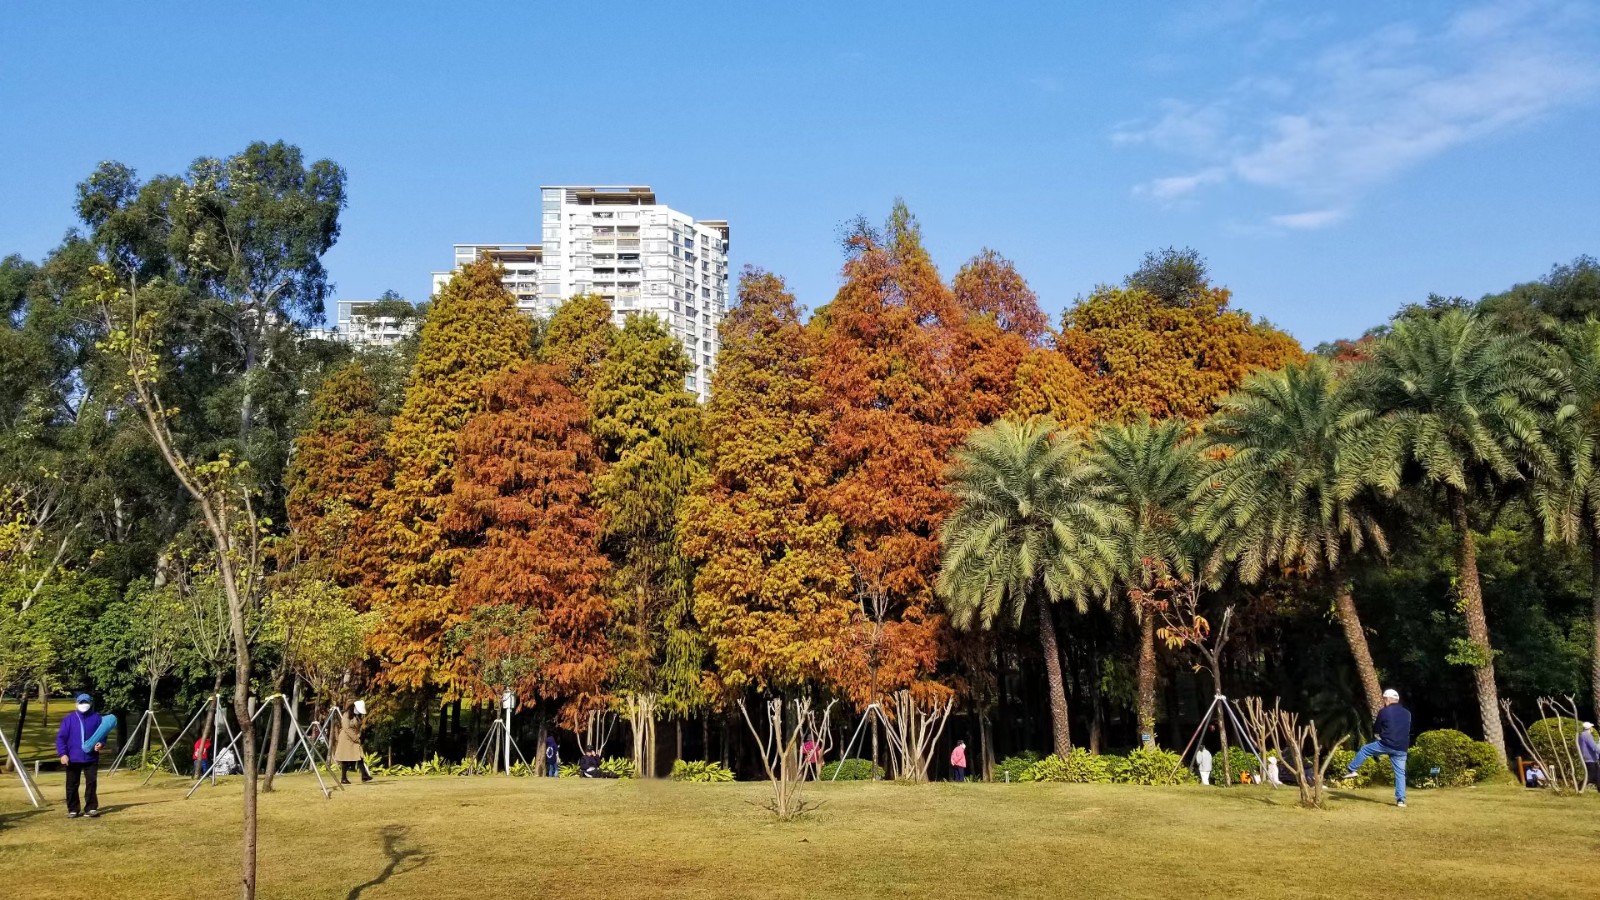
[[107, 722]]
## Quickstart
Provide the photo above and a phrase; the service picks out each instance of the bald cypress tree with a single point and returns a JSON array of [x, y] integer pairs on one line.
[[472, 334]]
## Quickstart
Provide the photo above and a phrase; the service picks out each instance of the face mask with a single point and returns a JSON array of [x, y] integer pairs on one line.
[[83, 707]]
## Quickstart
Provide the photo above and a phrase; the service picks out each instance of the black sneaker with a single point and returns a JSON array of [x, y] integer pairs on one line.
[[72, 814], [93, 813]]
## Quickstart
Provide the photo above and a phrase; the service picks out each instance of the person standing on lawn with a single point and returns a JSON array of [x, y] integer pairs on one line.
[[958, 761], [1393, 730], [552, 757], [347, 751], [1589, 750], [81, 764], [1202, 761]]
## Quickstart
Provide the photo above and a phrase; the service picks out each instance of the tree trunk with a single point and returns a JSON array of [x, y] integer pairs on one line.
[[680, 743], [1061, 731], [247, 737], [1477, 626], [149, 704], [22, 711], [1345, 604], [208, 728], [1146, 711], [275, 726]]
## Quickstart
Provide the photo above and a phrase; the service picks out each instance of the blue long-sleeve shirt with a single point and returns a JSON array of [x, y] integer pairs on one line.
[[1393, 726], [1588, 748], [77, 727]]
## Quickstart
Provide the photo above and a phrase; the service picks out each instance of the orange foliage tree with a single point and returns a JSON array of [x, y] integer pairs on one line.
[[1142, 353], [335, 476], [522, 508], [472, 334], [1003, 326], [888, 345], [772, 592]]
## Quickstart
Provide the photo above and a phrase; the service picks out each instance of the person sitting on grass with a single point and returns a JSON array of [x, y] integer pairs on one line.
[[1535, 777], [1393, 729], [81, 763]]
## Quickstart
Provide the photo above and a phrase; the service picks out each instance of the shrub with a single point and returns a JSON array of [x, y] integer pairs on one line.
[[616, 765], [1545, 736], [1077, 767], [701, 772], [1461, 761], [1375, 771], [1012, 768], [1152, 766], [852, 770], [1239, 760]]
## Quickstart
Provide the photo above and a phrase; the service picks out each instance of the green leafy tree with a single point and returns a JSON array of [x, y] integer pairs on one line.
[[1567, 496], [648, 427], [1270, 499], [1454, 409], [1031, 528], [1150, 469]]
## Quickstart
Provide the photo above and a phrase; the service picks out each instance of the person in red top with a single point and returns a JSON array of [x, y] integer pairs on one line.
[[201, 756], [958, 760]]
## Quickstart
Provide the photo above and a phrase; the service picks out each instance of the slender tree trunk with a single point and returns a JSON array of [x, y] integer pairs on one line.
[[22, 712], [680, 742], [275, 726], [1477, 626], [149, 704], [207, 727], [1345, 604], [1594, 592], [1146, 711], [1060, 725]]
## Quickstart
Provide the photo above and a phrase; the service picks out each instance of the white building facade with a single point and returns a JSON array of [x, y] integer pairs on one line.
[[357, 325], [639, 254]]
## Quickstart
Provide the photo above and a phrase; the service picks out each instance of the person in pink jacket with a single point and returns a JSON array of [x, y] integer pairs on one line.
[[958, 760]]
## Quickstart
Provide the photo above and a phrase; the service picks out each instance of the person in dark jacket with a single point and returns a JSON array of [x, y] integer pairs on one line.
[[1393, 729], [82, 765], [552, 757]]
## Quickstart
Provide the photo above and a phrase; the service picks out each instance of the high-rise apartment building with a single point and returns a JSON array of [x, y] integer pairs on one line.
[[637, 253], [364, 323]]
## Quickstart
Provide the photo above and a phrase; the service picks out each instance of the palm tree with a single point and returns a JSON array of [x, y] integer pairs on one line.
[[1448, 405], [1030, 528], [1269, 499], [1150, 470], [1567, 496]]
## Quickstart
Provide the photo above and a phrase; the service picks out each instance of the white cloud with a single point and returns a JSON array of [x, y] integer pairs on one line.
[[1358, 113], [1309, 220]]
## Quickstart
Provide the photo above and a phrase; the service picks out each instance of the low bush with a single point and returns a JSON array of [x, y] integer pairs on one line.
[[1151, 766], [1546, 737], [1461, 761], [1077, 767], [1012, 768], [701, 772], [1375, 771], [852, 770]]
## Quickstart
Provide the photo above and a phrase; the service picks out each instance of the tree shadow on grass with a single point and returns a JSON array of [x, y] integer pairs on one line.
[[393, 847], [11, 819]]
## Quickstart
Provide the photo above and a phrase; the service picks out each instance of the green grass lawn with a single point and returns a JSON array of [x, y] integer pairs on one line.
[[492, 838]]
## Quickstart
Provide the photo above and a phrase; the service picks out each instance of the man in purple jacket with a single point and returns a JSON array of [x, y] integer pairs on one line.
[[76, 728]]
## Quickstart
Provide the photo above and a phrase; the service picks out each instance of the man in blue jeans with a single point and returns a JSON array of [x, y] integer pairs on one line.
[[1393, 729]]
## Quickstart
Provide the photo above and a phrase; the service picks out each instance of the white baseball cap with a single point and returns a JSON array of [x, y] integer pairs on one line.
[[1391, 694], [361, 707], [1588, 726]]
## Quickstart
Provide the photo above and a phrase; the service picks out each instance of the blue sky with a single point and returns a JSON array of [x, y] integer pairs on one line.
[[1332, 161]]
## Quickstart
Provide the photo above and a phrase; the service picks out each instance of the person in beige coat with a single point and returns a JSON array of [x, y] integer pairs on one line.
[[347, 750]]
